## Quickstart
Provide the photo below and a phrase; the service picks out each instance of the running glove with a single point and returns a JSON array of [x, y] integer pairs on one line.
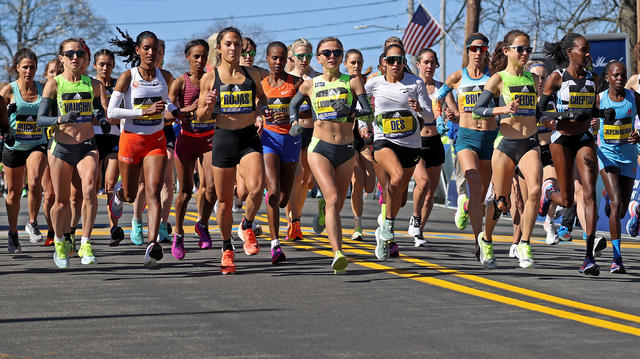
[[8, 137], [295, 130], [441, 126], [68, 117], [11, 108], [105, 126]]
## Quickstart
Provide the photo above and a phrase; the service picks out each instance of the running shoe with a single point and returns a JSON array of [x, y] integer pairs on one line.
[[86, 253], [512, 250], [589, 267], [340, 263], [318, 218], [294, 233], [633, 222], [462, 212], [153, 254], [277, 255], [115, 204], [24, 193], [163, 233], [226, 263], [564, 234], [137, 234], [394, 251], [32, 229], [419, 241], [552, 234], [380, 219], [386, 231], [71, 244], [599, 244], [250, 245], [203, 232], [414, 226], [486, 253], [13, 243], [617, 266], [523, 252], [357, 235], [545, 197], [117, 235], [382, 246], [237, 205], [177, 247], [49, 240], [607, 206], [60, 257]]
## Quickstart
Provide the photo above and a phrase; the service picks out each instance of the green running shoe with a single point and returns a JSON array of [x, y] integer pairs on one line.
[[486, 253], [462, 215], [387, 230], [340, 263], [382, 247], [318, 219], [357, 234], [70, 244], [86, 253], [523, 252], [137, 234], [60, 257]]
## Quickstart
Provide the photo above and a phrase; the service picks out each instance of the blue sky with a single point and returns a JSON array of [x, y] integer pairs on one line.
[[125, 13]]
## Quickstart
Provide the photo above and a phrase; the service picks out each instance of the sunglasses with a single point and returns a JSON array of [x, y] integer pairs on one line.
[[303, 56], [248, 53], [522, 49], [327, 53], [475, 48], [395, 59], [69, 54]]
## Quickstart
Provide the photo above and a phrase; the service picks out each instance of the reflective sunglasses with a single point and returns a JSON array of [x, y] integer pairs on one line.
[[69, 54], [248, 53], [395, 59], [303, 56], [327, 53], [522, 49], [475, 48]]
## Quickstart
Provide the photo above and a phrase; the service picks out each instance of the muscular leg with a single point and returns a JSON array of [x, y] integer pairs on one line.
[[88, 171]]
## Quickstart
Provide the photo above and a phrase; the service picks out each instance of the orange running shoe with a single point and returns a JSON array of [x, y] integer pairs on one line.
[[294, 233], [250, 246], [227, 266], [49, 240]]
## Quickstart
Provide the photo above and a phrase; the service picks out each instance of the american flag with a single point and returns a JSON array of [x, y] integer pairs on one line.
[[422, 32]]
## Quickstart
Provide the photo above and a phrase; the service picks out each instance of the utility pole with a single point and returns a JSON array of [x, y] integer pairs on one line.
[[472, 24], [410, 11], [443, 53]]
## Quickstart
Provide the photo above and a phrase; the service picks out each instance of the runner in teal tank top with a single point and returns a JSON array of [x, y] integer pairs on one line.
[[24, 146]]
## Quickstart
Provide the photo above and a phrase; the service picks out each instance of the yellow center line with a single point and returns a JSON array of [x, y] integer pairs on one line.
[[472, 291]]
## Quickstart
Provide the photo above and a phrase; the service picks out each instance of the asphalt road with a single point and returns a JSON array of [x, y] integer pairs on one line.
[[434, 302]]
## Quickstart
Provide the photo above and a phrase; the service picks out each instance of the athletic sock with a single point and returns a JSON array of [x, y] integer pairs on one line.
[[295, 220], [56, 239], [84, 240], [590, 240], [274, 243], [226, 245], [615, 243], [246, 224], [73, 230], [383, 209], [358, 221]]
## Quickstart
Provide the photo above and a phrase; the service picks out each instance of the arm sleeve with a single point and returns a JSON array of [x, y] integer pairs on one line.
[[114, 111], [365, 110], [44, 114], [294, 106], [98, 111], [482, 105]]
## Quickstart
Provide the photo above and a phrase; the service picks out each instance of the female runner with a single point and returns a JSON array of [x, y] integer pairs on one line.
[[192, 145], [143, 147], [331, 153], [25, 146], [79, 99], [518, 147], [233, 93], [401, 108], [281, 150], [474, 144]]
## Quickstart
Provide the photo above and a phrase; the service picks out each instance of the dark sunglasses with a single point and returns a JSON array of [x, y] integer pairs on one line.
[[327, 53], [395, 59], [522, 49], [248, 53], [475, 48], [70, 54], [303, 56]]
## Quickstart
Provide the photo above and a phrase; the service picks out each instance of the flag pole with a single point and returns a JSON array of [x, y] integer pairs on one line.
[[440, 26]]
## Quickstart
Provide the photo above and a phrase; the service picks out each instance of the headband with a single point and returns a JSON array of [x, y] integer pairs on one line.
[[475, 37]]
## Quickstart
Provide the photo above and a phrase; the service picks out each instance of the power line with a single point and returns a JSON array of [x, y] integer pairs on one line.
[[252, 16]]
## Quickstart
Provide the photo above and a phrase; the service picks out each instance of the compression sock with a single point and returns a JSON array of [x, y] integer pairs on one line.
[[226, 245], [615, 243], [246, 224]]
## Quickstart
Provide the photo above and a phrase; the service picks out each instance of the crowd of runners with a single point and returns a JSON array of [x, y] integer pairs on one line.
[[527, 139]]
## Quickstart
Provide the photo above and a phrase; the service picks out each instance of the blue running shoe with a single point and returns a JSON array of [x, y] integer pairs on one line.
[[617, 266], [137, 233], [589, 267], [632, 223], [564, 234]]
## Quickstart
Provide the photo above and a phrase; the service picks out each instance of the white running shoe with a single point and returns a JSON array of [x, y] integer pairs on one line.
[[512, 250], [419, 241], [552, 234], [414, 226]]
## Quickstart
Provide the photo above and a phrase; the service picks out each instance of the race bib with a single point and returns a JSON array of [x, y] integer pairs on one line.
[[26, 128], [235, 100], [144, 103], [78, 101], [617, 131], [581, 97], [397, 124], [468, 96], [324, 110], [526, 96]]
